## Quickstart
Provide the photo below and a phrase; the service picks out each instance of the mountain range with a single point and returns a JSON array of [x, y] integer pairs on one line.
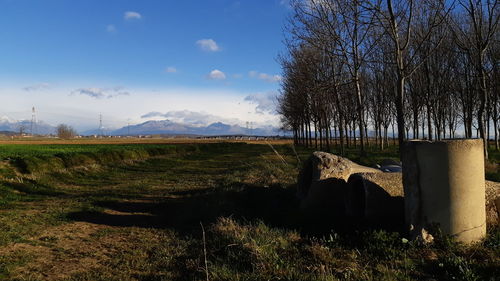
[[167, 127], [153, 127], [39, 128]]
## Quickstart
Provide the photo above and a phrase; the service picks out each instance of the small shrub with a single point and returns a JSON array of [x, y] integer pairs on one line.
[[492, 240], [455, 267], [383, 244]]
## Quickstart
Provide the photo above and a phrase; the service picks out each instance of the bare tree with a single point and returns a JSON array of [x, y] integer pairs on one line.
[[474, 35], [397, 17], [352, 64], [65, 131]]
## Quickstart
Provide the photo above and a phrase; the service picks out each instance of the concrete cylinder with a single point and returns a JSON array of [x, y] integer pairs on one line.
[[444, 185], [376, 197]]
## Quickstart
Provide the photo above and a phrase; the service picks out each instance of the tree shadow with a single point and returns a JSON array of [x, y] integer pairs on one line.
[[372, 205], [275, 206], [353, 206], [32, 188]]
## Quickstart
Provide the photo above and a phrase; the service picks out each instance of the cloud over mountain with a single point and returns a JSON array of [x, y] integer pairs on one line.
[[190, 117]]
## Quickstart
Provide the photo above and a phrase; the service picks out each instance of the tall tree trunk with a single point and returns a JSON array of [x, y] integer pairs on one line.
[[359, 101], [316, 135], [400, 113], [423, 126], [393, 134], [487, 127], [497, 132], [347, 142], [480, 113], [309, 132], [367, 143], [386, 137], [496, 129], [341, 136]]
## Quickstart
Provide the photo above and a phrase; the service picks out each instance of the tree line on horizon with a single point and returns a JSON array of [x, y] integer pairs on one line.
[[418, 68]]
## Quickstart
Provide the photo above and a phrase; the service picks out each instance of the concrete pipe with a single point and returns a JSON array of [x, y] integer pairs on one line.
[[321, 166], [325, 198], [376, 198], [444, 185]]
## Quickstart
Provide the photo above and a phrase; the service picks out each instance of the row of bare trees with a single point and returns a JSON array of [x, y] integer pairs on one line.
[[418, 68]]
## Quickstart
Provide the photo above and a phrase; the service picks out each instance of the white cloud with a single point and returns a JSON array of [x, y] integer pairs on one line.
[[130, 15], [37, 87], [110, 28], [265, 77], [171, 69], [152, 114], [118, 94], [216, 75], [57, 105], [208, 45], [100, 93], [96, 93], [266, 102]]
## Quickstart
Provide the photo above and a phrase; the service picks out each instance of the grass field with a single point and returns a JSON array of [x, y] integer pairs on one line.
[[185, 211]]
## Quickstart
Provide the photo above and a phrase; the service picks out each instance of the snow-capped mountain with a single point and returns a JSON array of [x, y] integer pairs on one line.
[[167, 127], [25, 126]]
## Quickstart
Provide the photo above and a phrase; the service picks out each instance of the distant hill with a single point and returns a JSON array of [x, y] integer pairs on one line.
[[7, 133], [167, 127], [41, 128]]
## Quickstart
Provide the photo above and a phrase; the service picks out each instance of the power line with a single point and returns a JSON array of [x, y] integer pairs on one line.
[[33, 121], [100, 125]]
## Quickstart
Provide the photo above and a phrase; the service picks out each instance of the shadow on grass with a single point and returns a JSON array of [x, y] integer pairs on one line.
[[33, 188], [276, 206]]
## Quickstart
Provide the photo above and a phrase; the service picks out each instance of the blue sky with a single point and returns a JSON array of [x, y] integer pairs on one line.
[[74, 59]]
